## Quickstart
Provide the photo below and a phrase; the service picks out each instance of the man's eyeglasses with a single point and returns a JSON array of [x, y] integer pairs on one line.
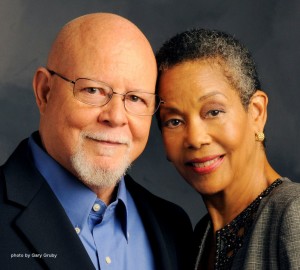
[[98, 93]]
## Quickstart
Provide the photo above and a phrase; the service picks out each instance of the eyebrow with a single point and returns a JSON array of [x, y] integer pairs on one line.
[[174, 110], [169, 109], [214, 93]]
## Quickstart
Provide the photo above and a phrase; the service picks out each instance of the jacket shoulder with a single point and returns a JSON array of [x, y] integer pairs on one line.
[[283, 195], [141, 195]]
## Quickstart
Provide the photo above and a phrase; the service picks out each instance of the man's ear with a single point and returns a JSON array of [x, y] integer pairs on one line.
[[258, 109], [41, 87]]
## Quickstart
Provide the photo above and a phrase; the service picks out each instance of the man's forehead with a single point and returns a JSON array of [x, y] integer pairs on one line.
[[96, 34]]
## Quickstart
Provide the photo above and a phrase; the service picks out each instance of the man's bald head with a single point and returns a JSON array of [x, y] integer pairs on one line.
[[93, 32]]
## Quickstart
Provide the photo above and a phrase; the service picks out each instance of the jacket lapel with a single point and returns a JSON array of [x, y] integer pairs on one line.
[[42, 221], [162, 246]]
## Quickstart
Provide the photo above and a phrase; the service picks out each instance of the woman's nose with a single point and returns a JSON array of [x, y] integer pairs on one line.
[[196, 135]]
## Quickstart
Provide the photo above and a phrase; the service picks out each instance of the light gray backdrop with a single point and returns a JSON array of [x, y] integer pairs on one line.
[[270, 28]]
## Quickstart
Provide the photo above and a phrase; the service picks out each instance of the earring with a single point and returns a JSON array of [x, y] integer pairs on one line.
[[259, 136]]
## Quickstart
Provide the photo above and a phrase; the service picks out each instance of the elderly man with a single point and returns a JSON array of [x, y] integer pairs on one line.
[[64, 199]]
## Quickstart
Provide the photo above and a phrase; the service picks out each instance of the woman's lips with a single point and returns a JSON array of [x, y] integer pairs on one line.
[[205, 165]]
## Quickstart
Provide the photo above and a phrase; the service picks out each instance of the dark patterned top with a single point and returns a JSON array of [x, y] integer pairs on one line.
[[230, 238]]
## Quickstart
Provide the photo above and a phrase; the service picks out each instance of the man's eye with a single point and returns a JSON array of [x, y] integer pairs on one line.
[[90, 90], [94, 91], [134, 98]]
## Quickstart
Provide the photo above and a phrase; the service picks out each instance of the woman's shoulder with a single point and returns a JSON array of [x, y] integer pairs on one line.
[[287, 188], [284, 195]]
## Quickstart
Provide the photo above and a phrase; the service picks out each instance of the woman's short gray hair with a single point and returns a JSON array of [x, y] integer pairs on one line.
[[219, 47]]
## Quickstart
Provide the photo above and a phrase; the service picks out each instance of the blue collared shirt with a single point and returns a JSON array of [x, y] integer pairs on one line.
[[113, 235]]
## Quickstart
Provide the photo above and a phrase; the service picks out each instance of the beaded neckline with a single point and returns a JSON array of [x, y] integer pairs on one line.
[[230, 238]]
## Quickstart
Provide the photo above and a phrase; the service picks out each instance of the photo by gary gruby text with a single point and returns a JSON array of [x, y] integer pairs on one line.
[[32, 255]]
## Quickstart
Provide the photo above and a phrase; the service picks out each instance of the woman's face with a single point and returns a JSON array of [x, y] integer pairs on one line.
[[207, 133]]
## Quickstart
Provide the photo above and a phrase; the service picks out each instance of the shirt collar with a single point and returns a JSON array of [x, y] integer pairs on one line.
[[76, 198]]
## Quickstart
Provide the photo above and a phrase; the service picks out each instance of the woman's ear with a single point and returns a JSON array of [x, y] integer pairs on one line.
[[41, 87], [258, 109]]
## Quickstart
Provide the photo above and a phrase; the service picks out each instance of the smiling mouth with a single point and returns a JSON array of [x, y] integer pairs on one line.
[[105, 142], [207, 166], [108, 141], [204, 164]]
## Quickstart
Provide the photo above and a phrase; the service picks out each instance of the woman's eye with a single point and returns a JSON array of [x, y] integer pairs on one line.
[[172, 123], [213, 113]]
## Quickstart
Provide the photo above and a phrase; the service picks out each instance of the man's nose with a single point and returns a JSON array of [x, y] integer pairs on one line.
[[114, 111]]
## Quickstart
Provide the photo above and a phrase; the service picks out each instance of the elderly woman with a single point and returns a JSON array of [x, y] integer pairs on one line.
[[212, 121]]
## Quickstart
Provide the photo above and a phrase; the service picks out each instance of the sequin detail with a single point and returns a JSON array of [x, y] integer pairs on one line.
[[230, 238]]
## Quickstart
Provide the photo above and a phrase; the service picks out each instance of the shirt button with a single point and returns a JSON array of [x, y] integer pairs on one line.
[[77, 230], [96, 207], [108, 260]]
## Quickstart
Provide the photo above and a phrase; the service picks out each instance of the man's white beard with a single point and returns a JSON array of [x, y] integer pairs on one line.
[[92, 174]]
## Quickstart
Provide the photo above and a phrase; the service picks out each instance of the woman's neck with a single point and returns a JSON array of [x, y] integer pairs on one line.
[[226, 205]]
